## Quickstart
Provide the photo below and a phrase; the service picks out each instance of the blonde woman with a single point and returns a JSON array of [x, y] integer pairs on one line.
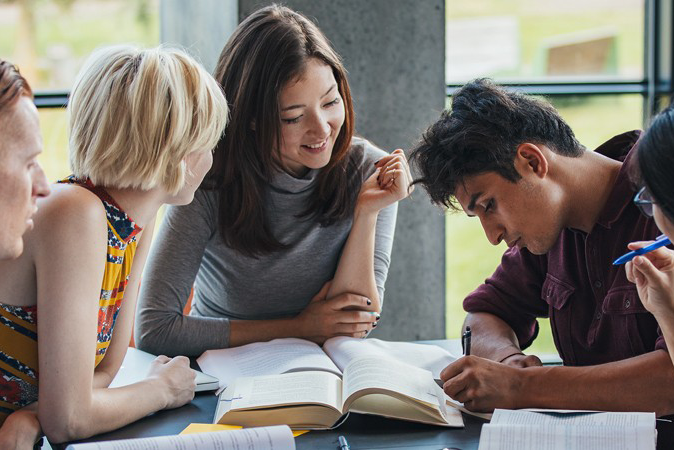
[[142, 127]]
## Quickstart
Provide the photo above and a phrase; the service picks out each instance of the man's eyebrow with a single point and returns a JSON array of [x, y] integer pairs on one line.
[[473, 200]]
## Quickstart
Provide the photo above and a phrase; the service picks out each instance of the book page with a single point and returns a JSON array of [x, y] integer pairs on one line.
[[561, 437], [290, 388], [449, 401], [264, 358], [342, 350], [369, 373], [568, 417], [274, 438]]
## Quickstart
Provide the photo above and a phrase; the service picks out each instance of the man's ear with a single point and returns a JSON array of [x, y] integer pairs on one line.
[[531, 159]]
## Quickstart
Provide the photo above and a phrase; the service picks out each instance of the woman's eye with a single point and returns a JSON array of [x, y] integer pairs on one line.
[[334, 102], [489, 206], [293, 120]]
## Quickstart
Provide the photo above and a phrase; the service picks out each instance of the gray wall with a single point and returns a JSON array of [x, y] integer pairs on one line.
[[202, 27], [394, 52]]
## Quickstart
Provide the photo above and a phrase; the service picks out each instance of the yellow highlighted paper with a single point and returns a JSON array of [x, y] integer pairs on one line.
[[195, 428]]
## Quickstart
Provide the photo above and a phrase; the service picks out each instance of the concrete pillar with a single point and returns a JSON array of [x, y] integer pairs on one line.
[[394, 51], [201, 27]]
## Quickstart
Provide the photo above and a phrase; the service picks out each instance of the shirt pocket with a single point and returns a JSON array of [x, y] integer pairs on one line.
[[557, 293], [622, 306], [622, 301]]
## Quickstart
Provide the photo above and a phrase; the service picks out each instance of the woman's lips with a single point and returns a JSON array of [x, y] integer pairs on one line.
[[313, 149]]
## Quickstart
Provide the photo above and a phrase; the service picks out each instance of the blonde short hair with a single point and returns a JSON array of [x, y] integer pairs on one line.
[[135, 114]]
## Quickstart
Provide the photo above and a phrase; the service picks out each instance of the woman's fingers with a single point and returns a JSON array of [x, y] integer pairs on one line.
[[395, 172], [382, 162], [648, 271]]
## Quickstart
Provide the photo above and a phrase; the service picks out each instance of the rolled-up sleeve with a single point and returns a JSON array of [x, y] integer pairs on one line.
[[513, 294]]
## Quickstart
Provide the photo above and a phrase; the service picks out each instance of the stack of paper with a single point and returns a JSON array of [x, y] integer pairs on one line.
[[568, 430]]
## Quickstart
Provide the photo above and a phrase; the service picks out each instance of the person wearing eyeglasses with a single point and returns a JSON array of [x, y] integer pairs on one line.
[[653, 272]]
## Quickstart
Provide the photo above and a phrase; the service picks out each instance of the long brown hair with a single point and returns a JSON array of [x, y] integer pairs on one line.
[[267, 50]]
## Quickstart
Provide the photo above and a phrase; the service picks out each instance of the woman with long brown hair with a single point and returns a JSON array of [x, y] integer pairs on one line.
[[291, 233]]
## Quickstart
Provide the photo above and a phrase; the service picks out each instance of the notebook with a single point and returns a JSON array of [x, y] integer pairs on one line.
[[137, 363]]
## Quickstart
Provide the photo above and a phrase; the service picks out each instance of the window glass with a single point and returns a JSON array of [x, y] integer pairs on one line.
[[544, 40], [50, 39], [54, 157], [597, 118], [470, 258]]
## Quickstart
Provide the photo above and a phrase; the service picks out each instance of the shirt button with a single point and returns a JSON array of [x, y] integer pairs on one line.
[[598, 284], [627, 303]]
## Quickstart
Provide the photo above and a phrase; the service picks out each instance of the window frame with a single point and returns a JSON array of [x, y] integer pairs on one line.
[[655, 84]]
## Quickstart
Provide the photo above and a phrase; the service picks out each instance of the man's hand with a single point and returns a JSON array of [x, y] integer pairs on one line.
[[482, 385], [522, 360]]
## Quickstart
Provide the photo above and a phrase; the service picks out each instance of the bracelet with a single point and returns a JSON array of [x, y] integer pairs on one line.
[[512, 354]]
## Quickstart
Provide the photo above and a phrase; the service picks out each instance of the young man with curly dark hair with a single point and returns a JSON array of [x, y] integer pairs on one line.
[[566, 213]]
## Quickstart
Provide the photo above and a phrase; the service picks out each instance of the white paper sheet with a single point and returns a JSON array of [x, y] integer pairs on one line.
[[263, 438], [568, 430]]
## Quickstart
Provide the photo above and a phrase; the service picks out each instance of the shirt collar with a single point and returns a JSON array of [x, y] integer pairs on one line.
[[620, 148], [284, 182]]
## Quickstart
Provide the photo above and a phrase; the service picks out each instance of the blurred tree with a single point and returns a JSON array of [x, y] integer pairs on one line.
[[25, 51]]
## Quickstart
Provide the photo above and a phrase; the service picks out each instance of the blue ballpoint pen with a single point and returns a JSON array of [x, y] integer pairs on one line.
[[661, 241]]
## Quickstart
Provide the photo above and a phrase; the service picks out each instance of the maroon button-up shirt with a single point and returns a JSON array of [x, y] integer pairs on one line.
[[595, 312]]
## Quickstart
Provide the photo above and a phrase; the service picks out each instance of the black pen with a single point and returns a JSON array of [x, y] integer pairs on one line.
[[343, 445], [465, 340]]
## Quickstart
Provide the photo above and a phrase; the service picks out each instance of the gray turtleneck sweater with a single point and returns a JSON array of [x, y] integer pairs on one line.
[[188, 250]]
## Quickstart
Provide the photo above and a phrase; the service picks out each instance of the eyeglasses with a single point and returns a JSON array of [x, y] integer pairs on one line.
[[644, 201]]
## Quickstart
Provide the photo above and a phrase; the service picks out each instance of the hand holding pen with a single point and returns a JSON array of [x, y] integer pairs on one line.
[[465, 341], [660, 241], [653, 274]]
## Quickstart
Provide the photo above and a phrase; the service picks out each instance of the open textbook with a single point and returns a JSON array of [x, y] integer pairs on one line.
[[267, 438], [295, 355], [319, 399], [291, 355], [568, 430]]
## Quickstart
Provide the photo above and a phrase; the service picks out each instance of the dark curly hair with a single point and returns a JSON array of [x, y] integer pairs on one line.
[[481, 133], [655, 154]]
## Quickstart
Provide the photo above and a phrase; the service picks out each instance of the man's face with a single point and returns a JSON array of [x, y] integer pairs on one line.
[[23, 180], [523, 213]]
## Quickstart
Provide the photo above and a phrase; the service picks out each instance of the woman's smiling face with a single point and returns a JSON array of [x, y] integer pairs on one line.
[[312, 115]]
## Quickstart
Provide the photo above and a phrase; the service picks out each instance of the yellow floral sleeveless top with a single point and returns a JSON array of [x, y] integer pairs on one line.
[[18, 324]]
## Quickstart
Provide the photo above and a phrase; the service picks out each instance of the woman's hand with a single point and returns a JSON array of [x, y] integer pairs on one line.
[[20, 430], [653, 273], [176, 377], [387, 185], [343, 315]]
